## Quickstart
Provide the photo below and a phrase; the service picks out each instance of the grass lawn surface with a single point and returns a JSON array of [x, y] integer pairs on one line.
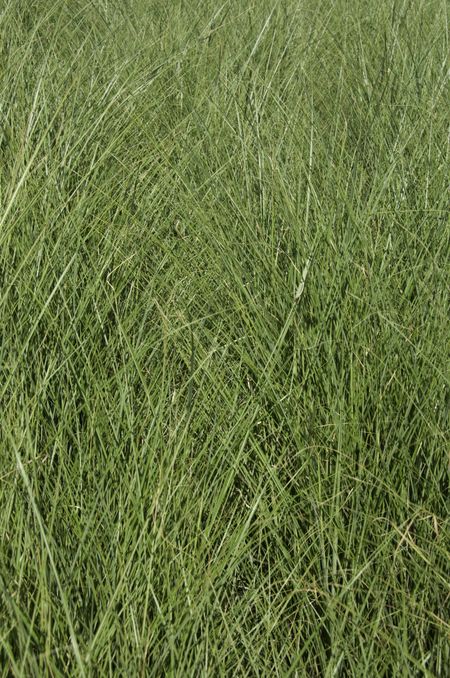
[[224, 338]]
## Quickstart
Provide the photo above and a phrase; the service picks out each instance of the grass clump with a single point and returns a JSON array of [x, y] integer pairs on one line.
[[224, 353]]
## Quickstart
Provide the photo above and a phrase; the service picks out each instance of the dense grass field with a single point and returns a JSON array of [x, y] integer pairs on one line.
[[224, 338]]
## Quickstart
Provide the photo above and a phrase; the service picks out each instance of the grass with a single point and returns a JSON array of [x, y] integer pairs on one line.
[[224, 349]]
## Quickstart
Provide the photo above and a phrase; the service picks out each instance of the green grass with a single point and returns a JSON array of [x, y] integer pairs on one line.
[[224, 338]]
